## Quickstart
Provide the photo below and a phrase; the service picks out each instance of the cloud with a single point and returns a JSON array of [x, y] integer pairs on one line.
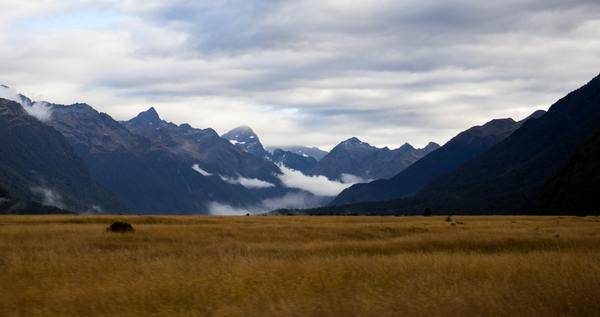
[[197, 168], [219, 209], [48, 197], [352, 179], [289, 200], [318, 185], [37, 109], [247, 182], [240, 180], [10, 94], [305, 72]]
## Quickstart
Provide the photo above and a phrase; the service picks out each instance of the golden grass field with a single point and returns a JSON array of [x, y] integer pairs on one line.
[[300, 266]]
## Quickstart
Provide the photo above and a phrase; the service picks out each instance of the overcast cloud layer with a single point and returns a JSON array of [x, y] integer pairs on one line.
[[304, 72]]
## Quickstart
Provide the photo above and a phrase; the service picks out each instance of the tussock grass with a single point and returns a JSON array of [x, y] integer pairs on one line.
[[300, 266]]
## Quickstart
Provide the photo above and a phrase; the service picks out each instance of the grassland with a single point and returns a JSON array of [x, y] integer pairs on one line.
[[300, 266]]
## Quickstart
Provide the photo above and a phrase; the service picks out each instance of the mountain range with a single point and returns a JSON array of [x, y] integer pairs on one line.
[[245, 139], [71, 157], [463, 147], [356, 158], [76, 158], [546, 165], [505, 176], [306, 151], [37, 163], [349, 161]]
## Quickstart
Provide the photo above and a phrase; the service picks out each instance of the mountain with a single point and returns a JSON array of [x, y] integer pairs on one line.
[[10, 205], [314, 152], [576, 186], [510, 175], [217, 158], [245, 139], [354, 157], [503, 177], [463, 147], [203, 147], [294, 161], [144, 173], [38, 164]]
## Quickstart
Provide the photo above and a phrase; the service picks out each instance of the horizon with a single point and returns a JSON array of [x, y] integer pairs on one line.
[[267, 146]]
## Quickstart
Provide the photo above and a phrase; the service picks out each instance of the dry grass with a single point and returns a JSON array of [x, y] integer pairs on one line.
[[300, 266]]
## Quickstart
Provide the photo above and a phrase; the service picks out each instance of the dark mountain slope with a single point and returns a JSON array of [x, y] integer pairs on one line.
[[508, 177], [38, 164], [358, 158], [9, 205], [142, 172], [450, 156], [204, 147], [503, 177], [575, 187], [212, 156], [294, 161], [314, 152]]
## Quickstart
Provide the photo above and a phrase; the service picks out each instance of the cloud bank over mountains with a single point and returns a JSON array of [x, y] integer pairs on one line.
[[316, 184], [304, 72]]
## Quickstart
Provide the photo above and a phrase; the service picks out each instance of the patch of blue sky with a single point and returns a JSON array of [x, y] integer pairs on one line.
[[73, 19]]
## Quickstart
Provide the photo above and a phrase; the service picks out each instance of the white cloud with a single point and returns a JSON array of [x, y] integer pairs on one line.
[[290, 200], [197, 168], [219, 209], [10, 94], [305, 72], [318, 185], [38, 109], [48, 197], [352, 179], [247, 182], [240, 180]]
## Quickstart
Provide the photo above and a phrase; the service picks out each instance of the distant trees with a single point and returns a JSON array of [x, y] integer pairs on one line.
[[427, 212]]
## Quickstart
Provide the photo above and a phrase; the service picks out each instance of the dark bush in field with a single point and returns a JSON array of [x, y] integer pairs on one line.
[[120, 226]]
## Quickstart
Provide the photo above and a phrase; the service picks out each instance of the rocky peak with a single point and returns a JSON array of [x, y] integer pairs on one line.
[[406, 147], [352, 141], [431, 146], [149, 116], [245, 139]]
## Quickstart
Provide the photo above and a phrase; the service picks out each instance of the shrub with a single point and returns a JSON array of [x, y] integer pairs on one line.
[[120, 226]]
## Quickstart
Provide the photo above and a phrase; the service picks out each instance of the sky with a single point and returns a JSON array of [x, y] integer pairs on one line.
[[304, 72]]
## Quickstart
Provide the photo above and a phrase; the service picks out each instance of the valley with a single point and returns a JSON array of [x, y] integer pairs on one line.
[[300, 266]]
